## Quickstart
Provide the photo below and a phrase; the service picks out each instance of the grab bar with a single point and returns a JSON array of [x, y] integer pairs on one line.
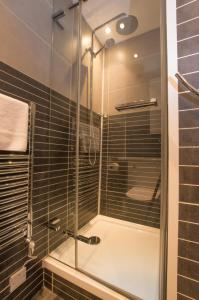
[[187, 84]]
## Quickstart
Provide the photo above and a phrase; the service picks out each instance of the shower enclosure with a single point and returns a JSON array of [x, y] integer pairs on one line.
[[108, 220]]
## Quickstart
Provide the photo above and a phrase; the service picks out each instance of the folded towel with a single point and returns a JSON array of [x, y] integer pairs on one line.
[[13, 124], [141, 193]]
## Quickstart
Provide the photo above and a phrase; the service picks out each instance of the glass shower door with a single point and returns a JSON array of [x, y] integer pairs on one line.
[[62, 131], [119, 157]]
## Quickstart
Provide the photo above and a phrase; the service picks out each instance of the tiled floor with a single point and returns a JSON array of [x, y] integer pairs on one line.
[[45, 294]]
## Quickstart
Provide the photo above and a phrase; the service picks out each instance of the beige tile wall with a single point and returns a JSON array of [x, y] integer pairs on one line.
[[97, 70], [26, 31], [128, 79], [22, 46]]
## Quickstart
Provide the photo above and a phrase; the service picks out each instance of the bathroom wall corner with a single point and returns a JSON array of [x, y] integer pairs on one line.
[[173, 152]]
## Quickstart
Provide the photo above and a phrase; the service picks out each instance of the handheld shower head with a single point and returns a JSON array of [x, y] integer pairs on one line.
[[109, 43]]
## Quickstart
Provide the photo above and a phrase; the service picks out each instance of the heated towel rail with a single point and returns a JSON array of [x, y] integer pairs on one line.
[[16, 182]]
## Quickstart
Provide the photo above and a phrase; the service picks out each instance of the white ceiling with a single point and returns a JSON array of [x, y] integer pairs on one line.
[[97, 12]]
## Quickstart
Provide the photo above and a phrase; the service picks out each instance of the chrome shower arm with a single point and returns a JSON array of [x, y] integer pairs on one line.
[[96, 53]]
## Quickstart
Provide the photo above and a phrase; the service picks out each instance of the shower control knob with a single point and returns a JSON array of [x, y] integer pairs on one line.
[[54, 224], [113, 166]]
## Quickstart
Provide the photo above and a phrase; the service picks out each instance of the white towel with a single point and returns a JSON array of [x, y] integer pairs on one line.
[[13, 124]]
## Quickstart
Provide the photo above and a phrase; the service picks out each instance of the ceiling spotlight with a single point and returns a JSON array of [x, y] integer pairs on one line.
[[135, 55], [108, 30], [122, 26]]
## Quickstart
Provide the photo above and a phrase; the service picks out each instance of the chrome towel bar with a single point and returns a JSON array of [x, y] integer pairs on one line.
[[137, 104], [190, 87]]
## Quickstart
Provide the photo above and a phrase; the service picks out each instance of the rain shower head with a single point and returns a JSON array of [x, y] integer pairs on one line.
[[127, 25]]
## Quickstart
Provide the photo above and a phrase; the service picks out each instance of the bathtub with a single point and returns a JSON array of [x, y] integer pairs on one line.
[[127, 258]]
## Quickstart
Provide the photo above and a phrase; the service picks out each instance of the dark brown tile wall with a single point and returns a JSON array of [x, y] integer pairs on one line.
[[16, 84], [188, 65], [130, 142], [65, 289], [53, 177]]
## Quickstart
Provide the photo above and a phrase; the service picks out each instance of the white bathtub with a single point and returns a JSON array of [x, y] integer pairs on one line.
[[127, 258]]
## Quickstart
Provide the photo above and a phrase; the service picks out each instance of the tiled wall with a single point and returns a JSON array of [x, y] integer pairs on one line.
[[54, 174], [132, 140], [65, 289], [26, 29], [22, 87], [131, 158], [188, 65], [25, 33], [53, 192], [128, 79]]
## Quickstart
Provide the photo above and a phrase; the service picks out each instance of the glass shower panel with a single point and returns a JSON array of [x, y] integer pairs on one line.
[[89, 126], [62, 131], [120, 146]]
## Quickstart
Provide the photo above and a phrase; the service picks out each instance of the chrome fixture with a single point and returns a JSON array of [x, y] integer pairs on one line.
[[107, 45], [93, 240], [137, 104], [54, 224], [113, 166], [190, 87], [75, 4], [29, 240], [31, 248], [127, 25], [57, 16]]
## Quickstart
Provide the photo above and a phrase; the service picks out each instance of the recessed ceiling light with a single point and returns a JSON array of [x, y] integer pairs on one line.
[[135, 55], [108, 30], [122, 26]]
